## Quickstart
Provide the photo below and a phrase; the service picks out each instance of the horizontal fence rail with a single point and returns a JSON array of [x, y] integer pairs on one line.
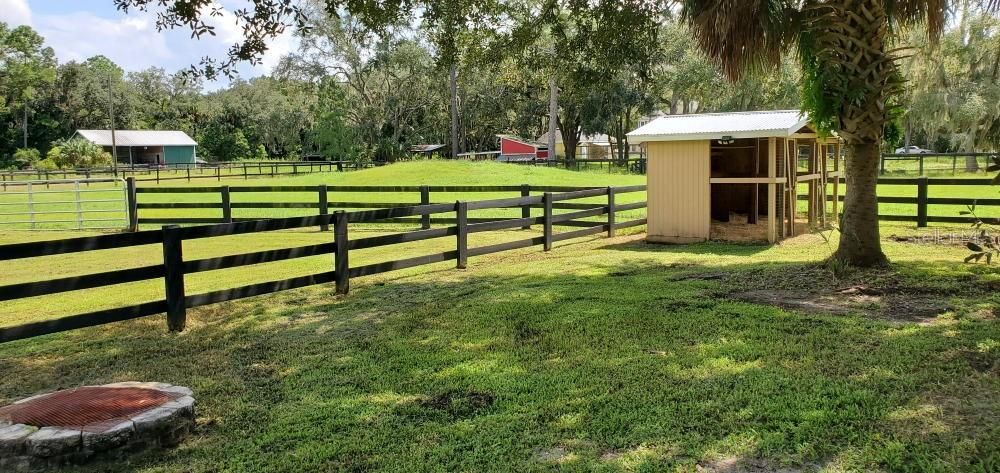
[[325, 201], [174, 267], [187, 172], [70, 202], [981, 161], [923, 202]]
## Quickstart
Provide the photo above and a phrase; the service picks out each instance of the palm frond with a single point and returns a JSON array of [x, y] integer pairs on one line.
[[933, 12], [743, 36]]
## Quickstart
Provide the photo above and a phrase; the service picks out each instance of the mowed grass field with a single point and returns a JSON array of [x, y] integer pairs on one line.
[[55, 205], [601, 355]]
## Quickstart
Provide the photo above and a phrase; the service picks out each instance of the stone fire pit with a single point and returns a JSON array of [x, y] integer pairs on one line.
[[75, 425]]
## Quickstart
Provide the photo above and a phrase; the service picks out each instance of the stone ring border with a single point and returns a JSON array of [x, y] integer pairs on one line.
[[25, 447]]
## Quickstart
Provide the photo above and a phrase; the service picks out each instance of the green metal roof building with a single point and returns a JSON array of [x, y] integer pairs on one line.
[[150, 147]]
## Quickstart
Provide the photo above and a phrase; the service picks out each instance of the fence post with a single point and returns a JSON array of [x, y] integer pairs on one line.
[[462, 211], [189, 174], [340, 166], [922, 201], [245, 177], [526, 209], [227, 205], [611, 212], [31, 206], [921, 160], [324, 206], [425, 199], [547, 227], [79, 205], [133, 204], [157, 175], [341, 264], [173, 278], [218, 174]]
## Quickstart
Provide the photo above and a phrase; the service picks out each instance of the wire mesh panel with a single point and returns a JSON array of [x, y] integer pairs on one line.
[[81, 204]]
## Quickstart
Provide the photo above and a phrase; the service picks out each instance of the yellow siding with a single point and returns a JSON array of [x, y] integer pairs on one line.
[[678, 192]]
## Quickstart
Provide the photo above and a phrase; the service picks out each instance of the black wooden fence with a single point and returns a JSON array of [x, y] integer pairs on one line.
[[188, 172], [923, 201], [221, 198], [175, 267], [922, 157], [323, 202]]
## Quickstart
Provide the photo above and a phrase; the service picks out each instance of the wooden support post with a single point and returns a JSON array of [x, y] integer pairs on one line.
[[793, 188], [811, 188], [425, 199], [245, 176], [772, 187], [922, 201], [754, 214], [836, 184], [133, 206], [173, 278], [525, 209], [189, 174], [920, 159], [227, 205], [823, 184], [547, 227], [462, 210], [611, 212], [340, 166], [324, 206], [342, 268]]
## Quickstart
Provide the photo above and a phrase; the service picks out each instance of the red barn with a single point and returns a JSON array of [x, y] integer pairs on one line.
[[513, 148]]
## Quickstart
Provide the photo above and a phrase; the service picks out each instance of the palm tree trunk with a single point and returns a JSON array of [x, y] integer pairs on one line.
[[859, 240]]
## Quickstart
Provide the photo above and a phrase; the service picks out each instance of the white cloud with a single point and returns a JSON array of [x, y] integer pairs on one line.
[[15, 12], [130, 41], [229, 31]]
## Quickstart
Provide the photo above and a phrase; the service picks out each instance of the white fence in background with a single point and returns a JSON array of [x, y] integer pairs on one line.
[[82, 204]]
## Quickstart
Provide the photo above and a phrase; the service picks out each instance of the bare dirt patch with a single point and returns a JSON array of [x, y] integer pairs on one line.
[[553, 455], [895, 307], [459, 404], [742, 465]]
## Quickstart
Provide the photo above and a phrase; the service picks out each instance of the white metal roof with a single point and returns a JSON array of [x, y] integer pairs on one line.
[[138, 137], [595, 139], [712, 126]]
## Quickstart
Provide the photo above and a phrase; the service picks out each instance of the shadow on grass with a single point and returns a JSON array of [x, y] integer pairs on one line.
[[709, 247], [616, 368]]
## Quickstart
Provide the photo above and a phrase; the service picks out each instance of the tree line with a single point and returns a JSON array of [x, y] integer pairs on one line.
[[350, 93], [357, 93]]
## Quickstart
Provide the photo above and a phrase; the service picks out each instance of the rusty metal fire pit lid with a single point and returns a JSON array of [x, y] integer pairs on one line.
[[87, 405], [75, 425]]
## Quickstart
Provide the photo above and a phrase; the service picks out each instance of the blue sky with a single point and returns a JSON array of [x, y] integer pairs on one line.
[[78, 29]]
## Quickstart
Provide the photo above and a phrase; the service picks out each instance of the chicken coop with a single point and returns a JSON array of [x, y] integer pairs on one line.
[[746, 176]]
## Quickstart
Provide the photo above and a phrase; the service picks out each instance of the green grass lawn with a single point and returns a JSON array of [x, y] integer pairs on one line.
[[409, 173], [415, 173], [602, 355]]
